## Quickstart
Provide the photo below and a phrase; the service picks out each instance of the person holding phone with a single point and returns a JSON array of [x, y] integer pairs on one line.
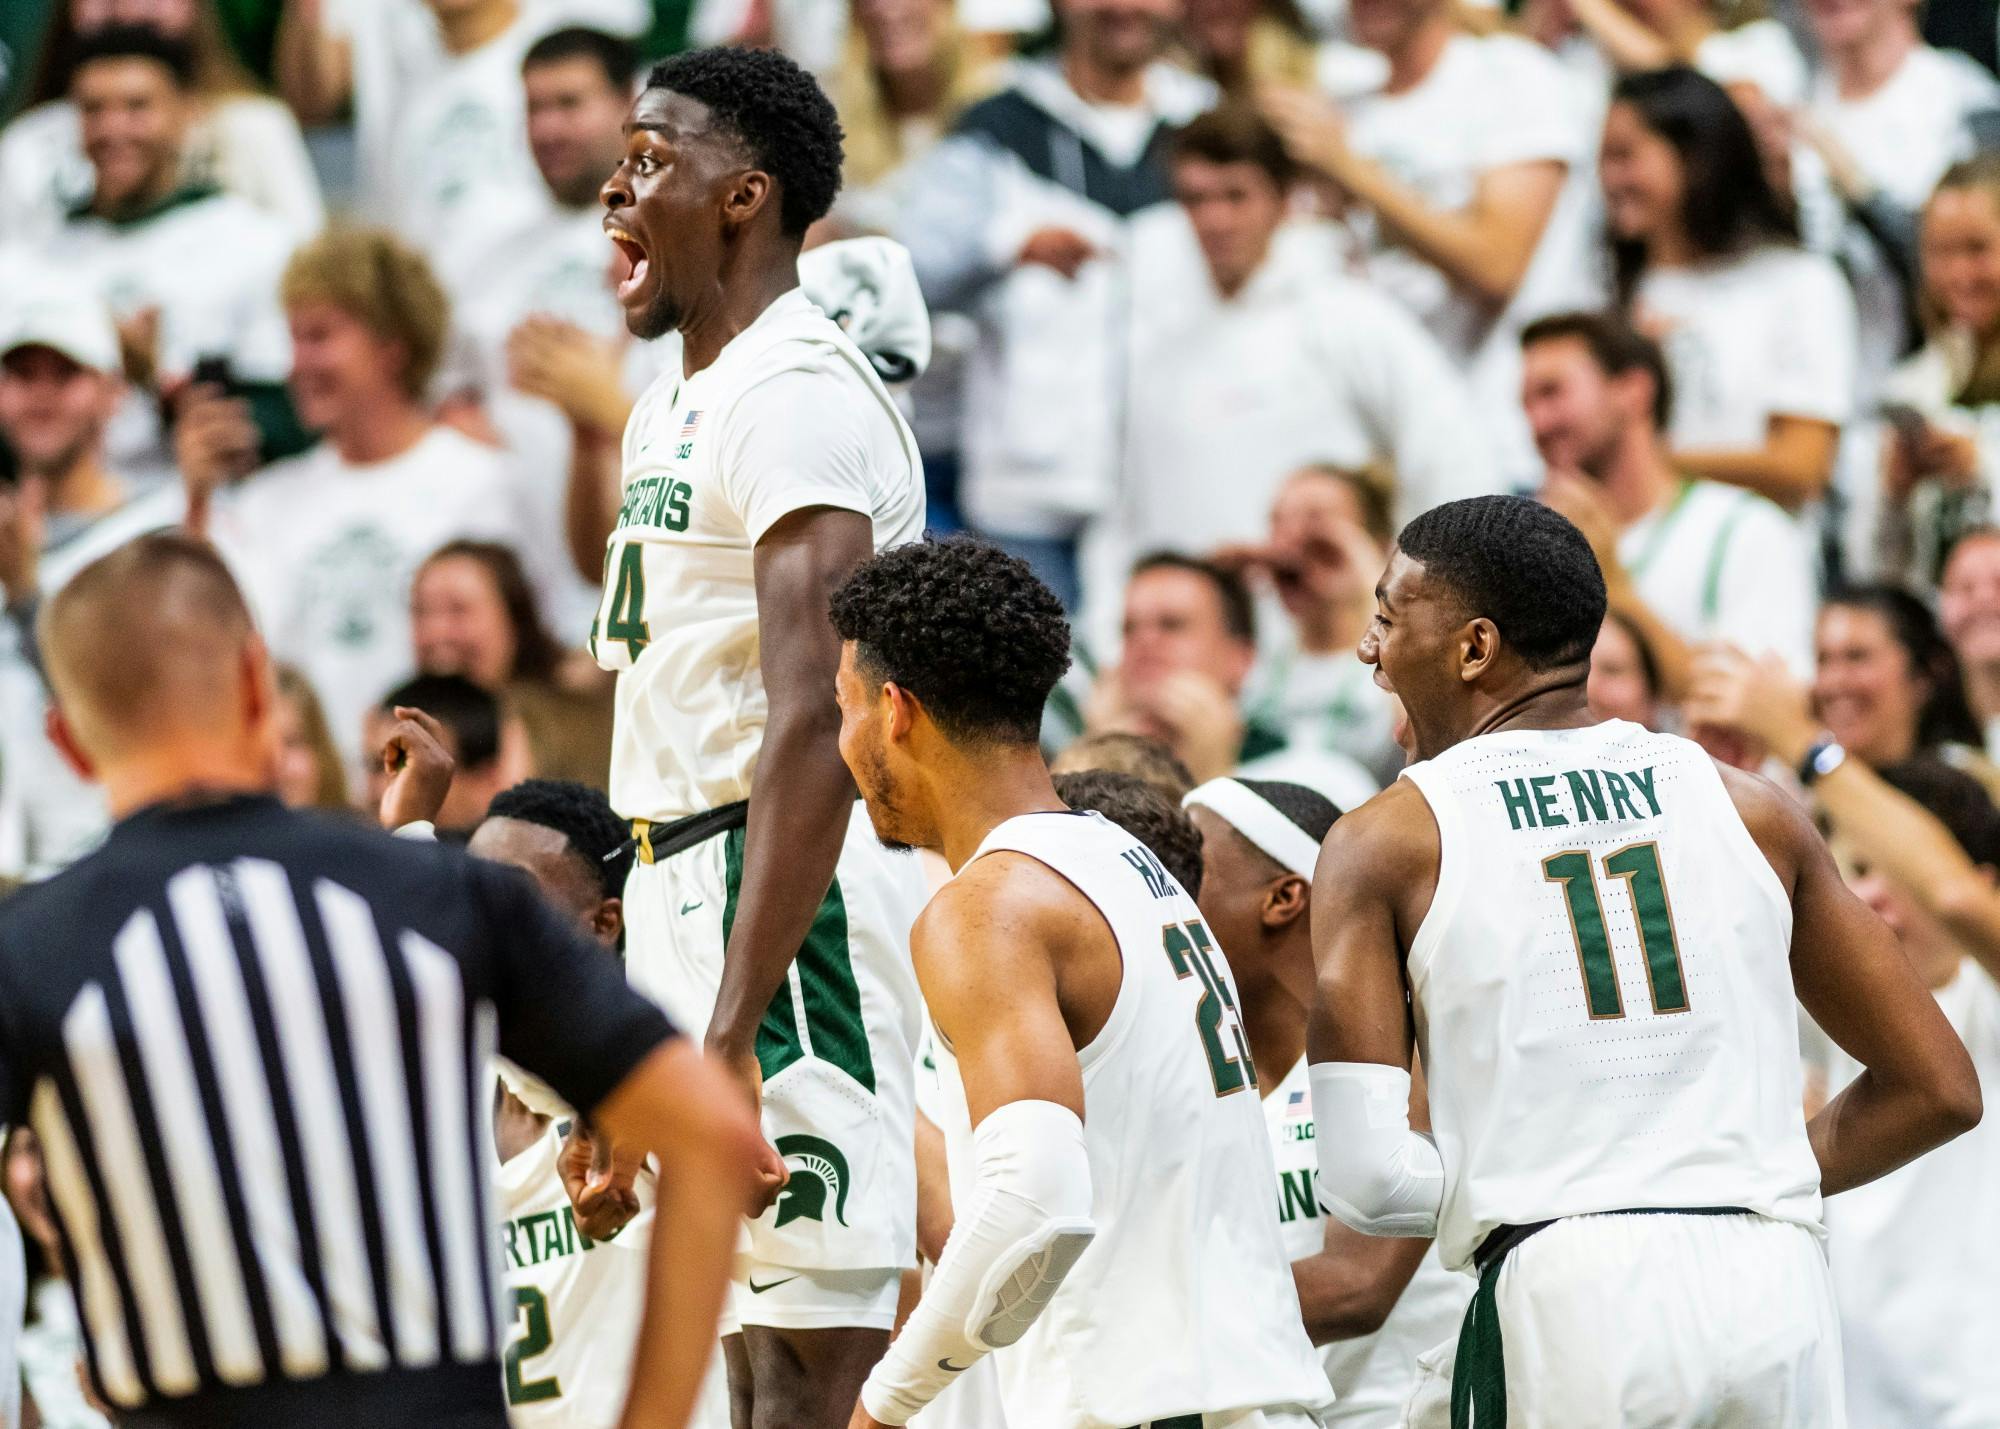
[[1939, 420]]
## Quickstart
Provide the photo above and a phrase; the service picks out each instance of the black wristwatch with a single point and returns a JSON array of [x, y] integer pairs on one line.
[[1825, 756]]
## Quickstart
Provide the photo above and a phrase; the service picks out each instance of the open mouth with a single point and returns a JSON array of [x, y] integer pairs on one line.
[[632, 265]]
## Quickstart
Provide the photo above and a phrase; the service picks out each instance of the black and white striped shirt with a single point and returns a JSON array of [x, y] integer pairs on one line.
[[255, 1047]]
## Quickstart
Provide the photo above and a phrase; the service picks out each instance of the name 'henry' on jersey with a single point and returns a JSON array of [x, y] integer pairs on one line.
[[1603, 987], [790, 415], [1184, 1302]]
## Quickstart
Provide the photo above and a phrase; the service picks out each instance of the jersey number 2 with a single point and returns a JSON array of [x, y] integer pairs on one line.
[[536, 1337], [1188, 949], [1646, 887]]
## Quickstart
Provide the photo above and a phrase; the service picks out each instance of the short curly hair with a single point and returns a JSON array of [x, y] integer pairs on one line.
[[601, 840], [1519, 564], [779, 112], [1144, 812], [964, 627]]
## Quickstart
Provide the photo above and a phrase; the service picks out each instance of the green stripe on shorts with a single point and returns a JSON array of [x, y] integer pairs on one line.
[[1479, 1373], [823, 974]]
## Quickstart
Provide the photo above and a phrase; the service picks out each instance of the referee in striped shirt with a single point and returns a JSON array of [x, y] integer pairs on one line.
[[255, 1047]]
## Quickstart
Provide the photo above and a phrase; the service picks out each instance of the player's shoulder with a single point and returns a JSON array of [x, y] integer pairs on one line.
[[1776, 821], [997, 900], [806, 383], [1383, 842]]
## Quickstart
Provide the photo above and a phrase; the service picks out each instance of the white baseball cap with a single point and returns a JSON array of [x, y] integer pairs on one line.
[[72, 322]]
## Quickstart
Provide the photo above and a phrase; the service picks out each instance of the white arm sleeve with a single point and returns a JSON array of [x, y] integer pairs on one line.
[[1375, 1174], [1027, 1223]]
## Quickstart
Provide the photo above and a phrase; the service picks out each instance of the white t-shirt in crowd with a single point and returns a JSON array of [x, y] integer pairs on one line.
[[246, 144], [813, 31], [1762, 53], [1916, 1255], [1486, 104], [1721, 563], [458, 162], [209, 263], [1768, 333], [1305, 364], [48, 816], [325, 550], [397, 56], [1912, 128], [1372, 1375], [1903, 136], [1329, 702]]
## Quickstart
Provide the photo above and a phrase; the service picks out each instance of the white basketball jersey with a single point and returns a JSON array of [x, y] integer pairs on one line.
[[790, 415], [575, 1302], [1603, 987], [1184, 1302]]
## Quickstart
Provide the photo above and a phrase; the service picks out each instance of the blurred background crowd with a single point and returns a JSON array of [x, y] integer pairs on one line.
[[1221, 292]]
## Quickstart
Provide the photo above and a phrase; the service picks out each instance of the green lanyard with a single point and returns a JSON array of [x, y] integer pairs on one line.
[[1657, 537]]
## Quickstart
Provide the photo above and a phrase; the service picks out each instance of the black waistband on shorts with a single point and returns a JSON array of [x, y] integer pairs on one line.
[[449, 1396], [1502, 1239], [1479, 1371], [662, 841]]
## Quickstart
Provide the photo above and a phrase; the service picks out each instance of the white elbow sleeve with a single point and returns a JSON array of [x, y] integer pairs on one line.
[[1027, 1223], [1375, 1174]]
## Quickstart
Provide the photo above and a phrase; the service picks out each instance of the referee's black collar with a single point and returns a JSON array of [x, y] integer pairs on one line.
[[195, 803]]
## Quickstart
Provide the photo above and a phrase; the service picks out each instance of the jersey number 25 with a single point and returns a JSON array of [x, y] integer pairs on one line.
[[1188, 949]]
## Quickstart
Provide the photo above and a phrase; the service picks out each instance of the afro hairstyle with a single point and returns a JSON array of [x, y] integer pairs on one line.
[[778, 111], [1519, 564], [597, 836], [964, 627]]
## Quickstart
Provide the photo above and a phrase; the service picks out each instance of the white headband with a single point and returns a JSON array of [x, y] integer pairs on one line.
[[1258, 820]]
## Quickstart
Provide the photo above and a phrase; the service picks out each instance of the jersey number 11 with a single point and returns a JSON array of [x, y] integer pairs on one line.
[[1646, 887]]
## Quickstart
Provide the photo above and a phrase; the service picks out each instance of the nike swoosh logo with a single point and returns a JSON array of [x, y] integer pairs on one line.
[[687, 908], [946, 1364], [756, 1289]]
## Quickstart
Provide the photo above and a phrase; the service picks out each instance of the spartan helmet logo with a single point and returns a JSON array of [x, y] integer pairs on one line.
[[818, 1171]]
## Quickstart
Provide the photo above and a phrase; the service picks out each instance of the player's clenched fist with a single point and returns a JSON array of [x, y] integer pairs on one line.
[[602, 1181], [416, 756]]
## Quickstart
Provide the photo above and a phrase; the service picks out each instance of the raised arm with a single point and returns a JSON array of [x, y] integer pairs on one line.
[[1376, 874], [1484, 247], [1917, 1089], [1878, 822], [1793, 466], [803, 795], [986, 952], [314, 68]]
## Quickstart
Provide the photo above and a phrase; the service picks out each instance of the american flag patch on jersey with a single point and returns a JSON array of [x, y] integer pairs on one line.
[[688, 424], [1295, 1101]]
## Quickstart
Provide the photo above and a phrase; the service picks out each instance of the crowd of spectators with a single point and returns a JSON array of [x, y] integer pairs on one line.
[[1220, 291]]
